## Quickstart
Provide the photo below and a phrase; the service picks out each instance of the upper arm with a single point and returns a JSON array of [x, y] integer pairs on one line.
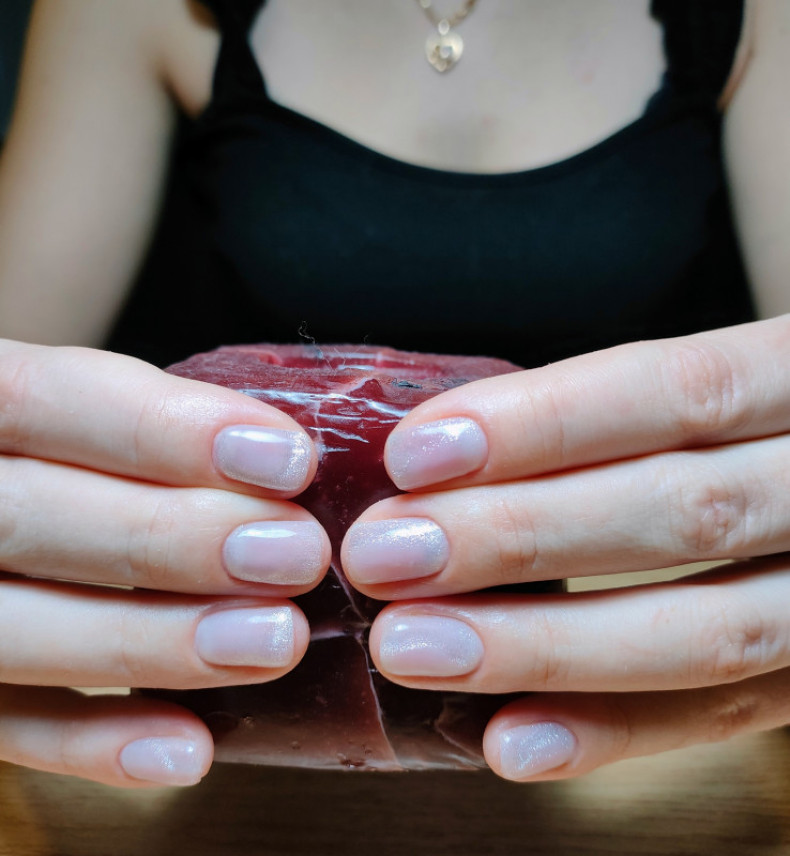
[[757, 150], [82, 169]]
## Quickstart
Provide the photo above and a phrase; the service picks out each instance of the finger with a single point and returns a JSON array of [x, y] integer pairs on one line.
[[129, 742], [77, 635], [646, 397], [74, 524], [560, 736], [119, 415], [700, 631], [657, 511]]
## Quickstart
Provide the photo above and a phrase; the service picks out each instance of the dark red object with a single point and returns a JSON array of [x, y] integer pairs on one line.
[[334, 710]]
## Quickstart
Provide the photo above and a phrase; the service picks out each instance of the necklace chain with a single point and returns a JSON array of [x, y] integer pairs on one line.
[[444, 23]]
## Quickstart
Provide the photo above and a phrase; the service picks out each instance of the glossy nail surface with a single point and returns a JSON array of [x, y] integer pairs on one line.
[[267, 457], [259, 637], [163, 760], [429, 646], [384, 551], [435, 452], [528, 750], [276, 552]]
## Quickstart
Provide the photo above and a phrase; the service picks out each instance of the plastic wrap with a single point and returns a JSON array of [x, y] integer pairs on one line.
[[335, 710]]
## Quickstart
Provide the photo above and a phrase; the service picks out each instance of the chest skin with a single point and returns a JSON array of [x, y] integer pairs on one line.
[[538, 82]]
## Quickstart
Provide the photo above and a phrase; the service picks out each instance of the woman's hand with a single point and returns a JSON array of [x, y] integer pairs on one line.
[[146, 541], [643, 456]]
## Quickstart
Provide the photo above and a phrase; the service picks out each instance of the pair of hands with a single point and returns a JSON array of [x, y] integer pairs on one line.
[[643, 456]]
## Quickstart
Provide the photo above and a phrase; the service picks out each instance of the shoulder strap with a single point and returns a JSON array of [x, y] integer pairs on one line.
[[700, 39], [236, 74]]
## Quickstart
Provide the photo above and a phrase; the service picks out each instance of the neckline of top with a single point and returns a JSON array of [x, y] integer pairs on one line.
[[658, 107], [238, 66]]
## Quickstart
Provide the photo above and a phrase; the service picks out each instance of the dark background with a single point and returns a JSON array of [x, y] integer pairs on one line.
[[13, 19]]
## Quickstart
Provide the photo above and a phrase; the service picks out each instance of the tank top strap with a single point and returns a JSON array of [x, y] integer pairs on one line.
[[236, 74], [700, 40]]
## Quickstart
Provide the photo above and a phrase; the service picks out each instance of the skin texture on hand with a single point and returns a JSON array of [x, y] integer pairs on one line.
[[643, 456], [147, 540]]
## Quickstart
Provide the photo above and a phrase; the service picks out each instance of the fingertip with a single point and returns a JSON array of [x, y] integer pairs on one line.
[[522, 745], [277, 459], [291, 556], [420, 455], [171, 760], [272, 635]]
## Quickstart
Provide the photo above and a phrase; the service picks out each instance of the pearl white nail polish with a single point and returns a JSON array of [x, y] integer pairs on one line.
[[383, 551], [429, 646], [435, 452], [163, 760], [527, 750], [259, 637], [267, 457], [275, 552]]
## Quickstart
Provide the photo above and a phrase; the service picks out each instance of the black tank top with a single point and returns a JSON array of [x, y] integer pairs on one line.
[[277, 228]]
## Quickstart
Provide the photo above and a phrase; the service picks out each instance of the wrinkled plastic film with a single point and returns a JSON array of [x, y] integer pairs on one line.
[[334, 710]]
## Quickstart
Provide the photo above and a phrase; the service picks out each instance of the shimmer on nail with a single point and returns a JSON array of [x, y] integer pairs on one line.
[[163, 760], [436, 452], [383, 551], [275, 552], [528, 750], [267, 457], [262, 638], [429, 646]]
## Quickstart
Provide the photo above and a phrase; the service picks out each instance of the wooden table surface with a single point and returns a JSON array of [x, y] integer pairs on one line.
[[720, 799], [728, 799]]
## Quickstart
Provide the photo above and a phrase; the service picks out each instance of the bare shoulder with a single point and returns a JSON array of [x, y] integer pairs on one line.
[[175, 41], [765, 34], [187, 41], [86, 155], [757, 150]]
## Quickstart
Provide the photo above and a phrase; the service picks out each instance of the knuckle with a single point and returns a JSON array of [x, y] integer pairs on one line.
[[550, 670], [152, 546], [12, 508], [702, 390], [514, 556], [708, 514], [159, 416], [735, 713], [735, 642], [619, 727], [134, 660], [18, 382], [540, 417], [72, 751]]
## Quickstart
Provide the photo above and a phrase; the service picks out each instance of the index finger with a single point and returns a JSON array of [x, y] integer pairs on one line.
[[635, 399], [119, 415]]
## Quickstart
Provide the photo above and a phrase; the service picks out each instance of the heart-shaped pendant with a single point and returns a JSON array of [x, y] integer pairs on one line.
[[443, 50]]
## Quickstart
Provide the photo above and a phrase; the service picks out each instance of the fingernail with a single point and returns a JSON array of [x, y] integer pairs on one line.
[[429, 646], [164, 760], [281, 553], [527, 750], [247, 637], [390, 550], [436, 452], [267, 457]]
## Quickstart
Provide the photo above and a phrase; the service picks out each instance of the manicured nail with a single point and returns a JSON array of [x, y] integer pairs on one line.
[[164, 760], [268, 457], [385, 551], [436, 452], [261, 637], [281, 553], [430, 646], [527, 750]]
